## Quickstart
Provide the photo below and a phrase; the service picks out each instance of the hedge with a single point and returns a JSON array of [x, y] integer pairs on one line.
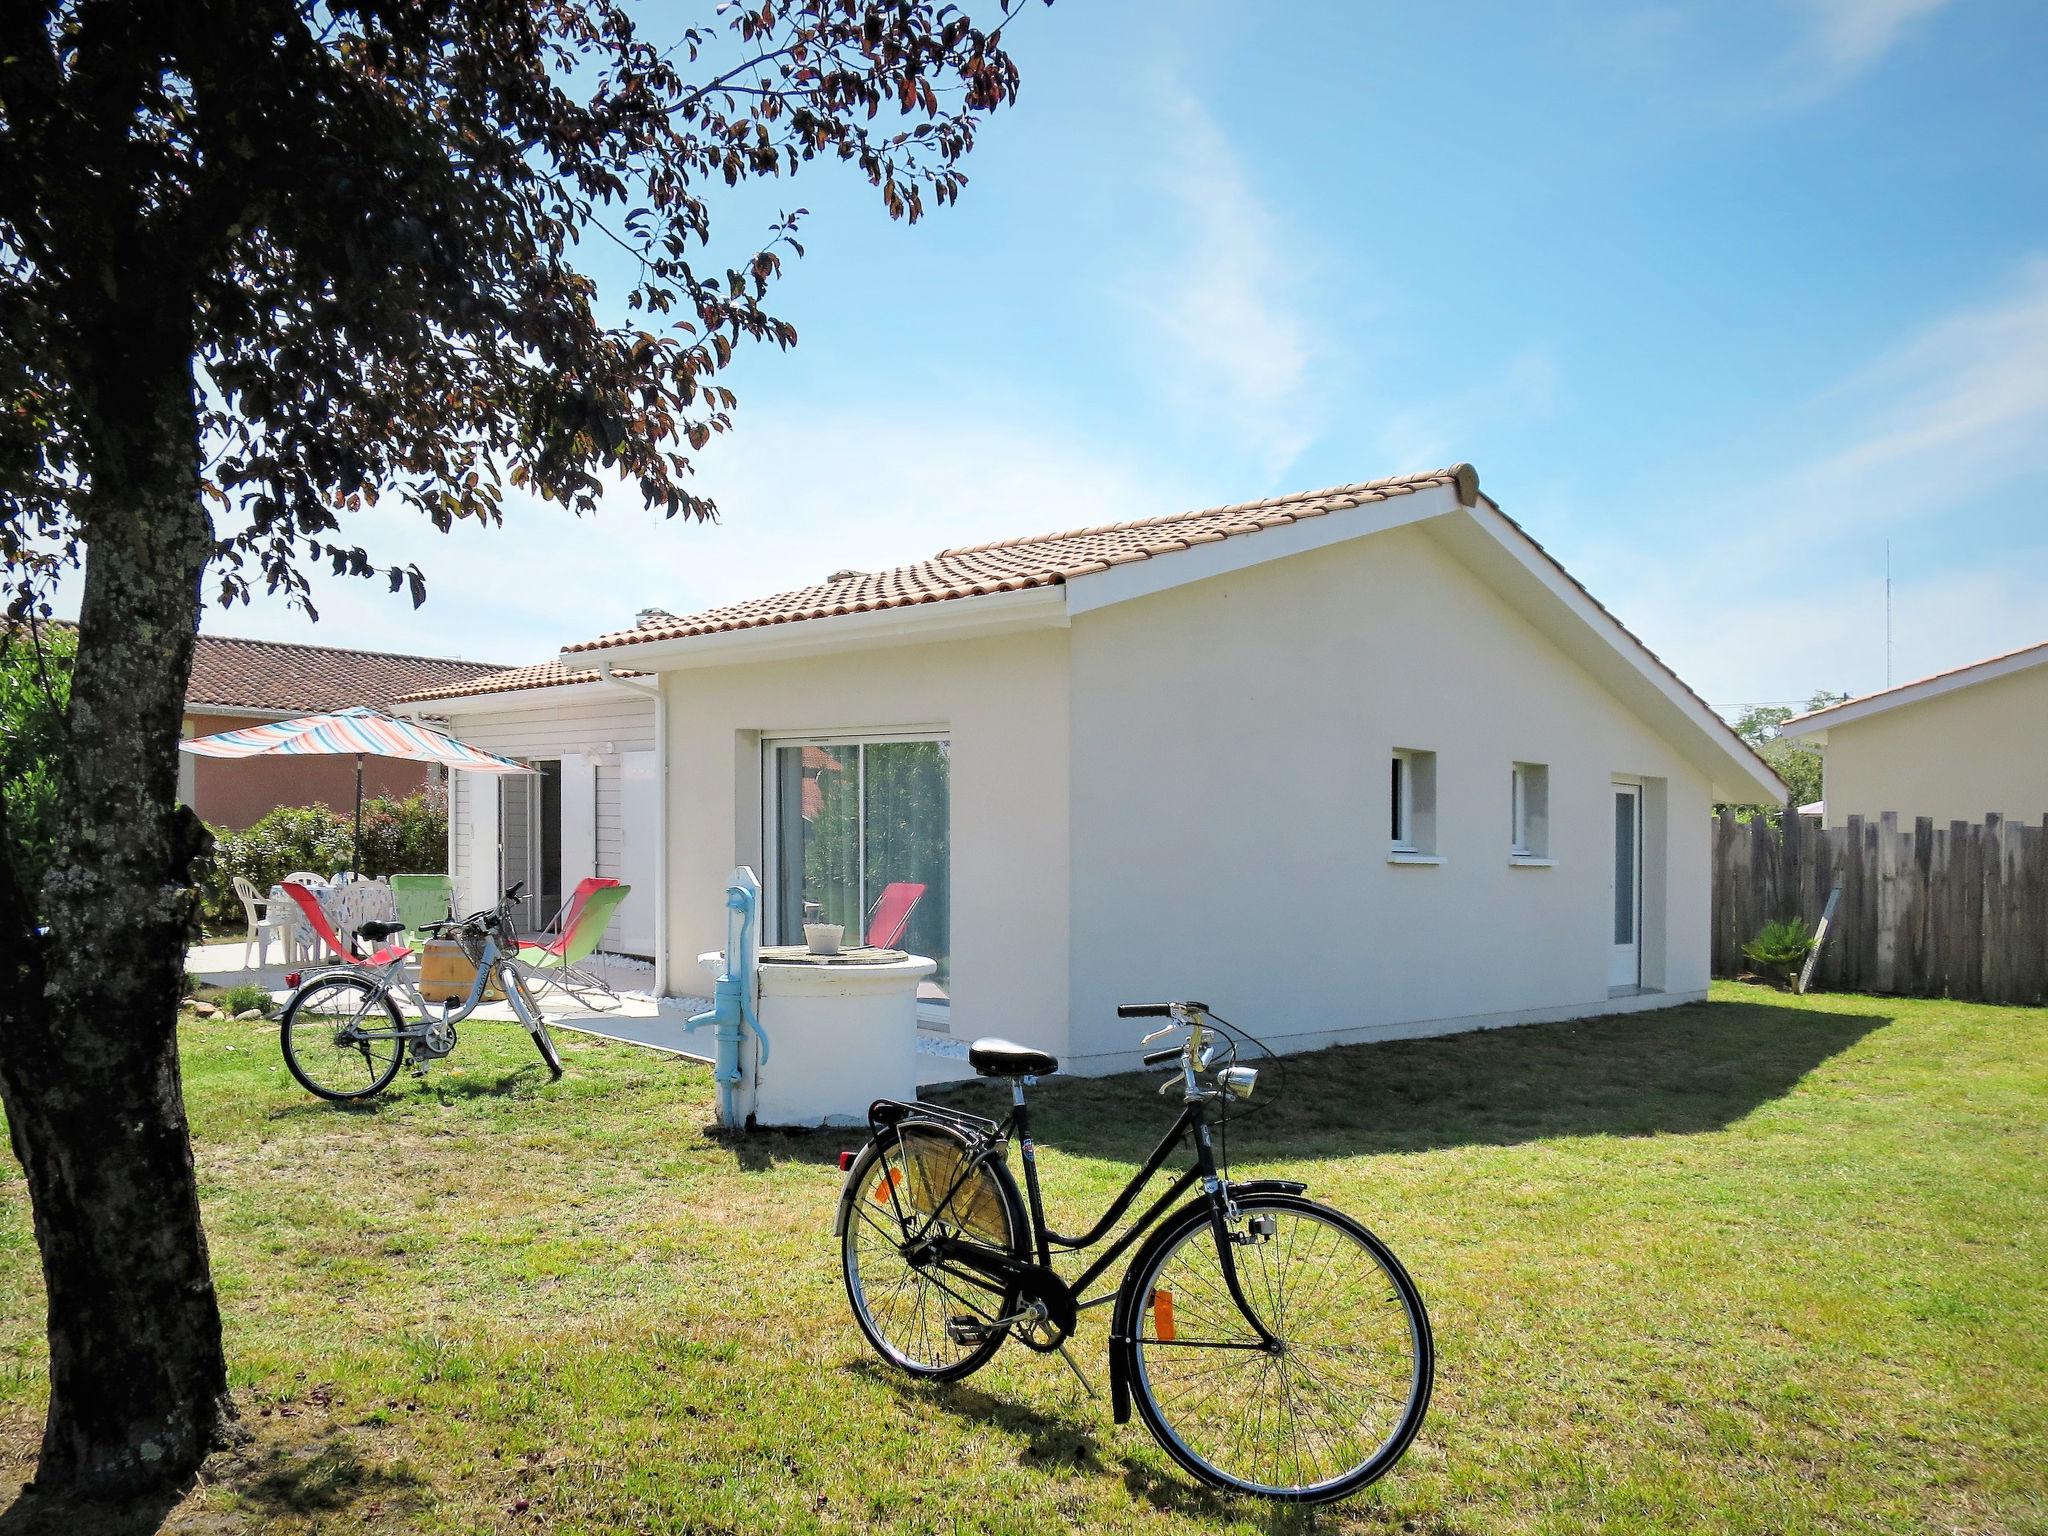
[[408, 836]]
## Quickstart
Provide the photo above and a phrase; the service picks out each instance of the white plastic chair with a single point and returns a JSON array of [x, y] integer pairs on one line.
[[261, 926]]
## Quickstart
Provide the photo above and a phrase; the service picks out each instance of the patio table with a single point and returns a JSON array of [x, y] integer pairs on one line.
[[346, 906]]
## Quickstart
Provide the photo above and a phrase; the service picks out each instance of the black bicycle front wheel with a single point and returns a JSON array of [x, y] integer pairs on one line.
[[1332, 1403], [924, 1314], [342, 1037]]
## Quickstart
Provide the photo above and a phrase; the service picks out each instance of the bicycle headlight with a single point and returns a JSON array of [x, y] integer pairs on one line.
[[1238, 1082]]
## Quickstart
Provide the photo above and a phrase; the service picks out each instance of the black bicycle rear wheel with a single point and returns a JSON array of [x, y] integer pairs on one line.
[[931, 1317], [1319, 1416], [340, 1035]]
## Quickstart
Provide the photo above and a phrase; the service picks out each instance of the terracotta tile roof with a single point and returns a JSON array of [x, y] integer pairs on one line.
[[269, 674], [1043, 560], [546, 674]]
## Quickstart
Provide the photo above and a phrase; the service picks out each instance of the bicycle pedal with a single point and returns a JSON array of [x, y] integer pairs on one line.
[[966, 1330]]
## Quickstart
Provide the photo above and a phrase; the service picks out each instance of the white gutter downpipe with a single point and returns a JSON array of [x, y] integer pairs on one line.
[[652, 688]]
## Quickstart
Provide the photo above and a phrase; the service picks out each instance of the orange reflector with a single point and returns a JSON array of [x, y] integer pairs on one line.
[[885, 1185], [1162, 1315]]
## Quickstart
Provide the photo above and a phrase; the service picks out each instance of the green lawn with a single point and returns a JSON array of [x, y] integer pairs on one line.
[[1761, 1265]]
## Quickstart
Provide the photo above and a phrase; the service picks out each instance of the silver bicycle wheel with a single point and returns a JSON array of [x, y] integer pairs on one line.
[[340, 1036], [1326, 1411], [512, 976]]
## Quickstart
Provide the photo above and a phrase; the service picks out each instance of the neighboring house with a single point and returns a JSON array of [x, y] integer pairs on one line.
[[1346, 765], [239, 683], [1951, 747]]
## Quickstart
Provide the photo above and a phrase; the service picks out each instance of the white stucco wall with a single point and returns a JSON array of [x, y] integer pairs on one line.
[[570, 723], [1003, 703], [1229, 808], [1952, 757]]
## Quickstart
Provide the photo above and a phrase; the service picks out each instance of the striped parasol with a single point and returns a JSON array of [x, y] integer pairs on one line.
[[356, 731]]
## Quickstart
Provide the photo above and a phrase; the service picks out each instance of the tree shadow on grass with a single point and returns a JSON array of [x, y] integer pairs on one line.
[[45, 1514], [1675, 1071], [308, 1478]]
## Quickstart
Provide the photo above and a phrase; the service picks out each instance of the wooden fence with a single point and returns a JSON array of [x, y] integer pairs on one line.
[[1956, 911]]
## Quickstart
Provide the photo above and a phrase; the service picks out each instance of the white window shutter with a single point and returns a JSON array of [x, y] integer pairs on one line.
[[480, 868], [579, 821], [639, 825]]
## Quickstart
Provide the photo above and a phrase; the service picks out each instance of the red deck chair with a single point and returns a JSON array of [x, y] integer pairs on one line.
[[891, 914], [327, 935]]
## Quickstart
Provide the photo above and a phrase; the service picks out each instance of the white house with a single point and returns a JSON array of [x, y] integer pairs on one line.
[[1351, 764], [593, 740]]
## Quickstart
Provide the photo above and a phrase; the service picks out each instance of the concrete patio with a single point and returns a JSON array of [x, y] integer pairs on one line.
[[641, 1018]]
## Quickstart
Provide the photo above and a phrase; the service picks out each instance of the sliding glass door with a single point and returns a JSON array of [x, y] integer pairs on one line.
[[860, 833]]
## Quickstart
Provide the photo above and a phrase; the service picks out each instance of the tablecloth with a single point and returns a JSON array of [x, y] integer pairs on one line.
[[345, 906]]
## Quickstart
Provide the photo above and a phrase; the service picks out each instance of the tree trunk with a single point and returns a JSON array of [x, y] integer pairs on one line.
[[88, 1032]]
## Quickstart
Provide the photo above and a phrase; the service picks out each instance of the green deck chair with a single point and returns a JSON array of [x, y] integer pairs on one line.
[[421, 899], [581, 925]]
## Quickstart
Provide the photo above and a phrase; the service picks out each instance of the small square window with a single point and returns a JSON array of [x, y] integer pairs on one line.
[[1411, 817], [1529, 811]]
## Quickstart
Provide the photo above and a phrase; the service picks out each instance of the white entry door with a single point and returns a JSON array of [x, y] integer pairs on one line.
[[1625, 959]]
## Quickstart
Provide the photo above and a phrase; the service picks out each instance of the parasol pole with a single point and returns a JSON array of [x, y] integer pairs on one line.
[[356, 868]]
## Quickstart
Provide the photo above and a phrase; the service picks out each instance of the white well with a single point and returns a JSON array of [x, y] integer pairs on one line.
[[841, 1033]]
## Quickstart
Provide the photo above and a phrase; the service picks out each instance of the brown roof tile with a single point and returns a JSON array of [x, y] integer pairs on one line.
[[270, 674], [1043, 560], [546, 674]]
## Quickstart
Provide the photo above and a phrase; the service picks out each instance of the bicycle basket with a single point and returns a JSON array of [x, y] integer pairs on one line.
[[938, 1172], [472, 941]]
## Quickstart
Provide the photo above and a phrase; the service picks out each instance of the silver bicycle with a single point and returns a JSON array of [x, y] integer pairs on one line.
[[345, 1038]]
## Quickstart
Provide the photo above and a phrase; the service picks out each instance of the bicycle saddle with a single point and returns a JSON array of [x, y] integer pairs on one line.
[[376, 933], [1005, 1058]]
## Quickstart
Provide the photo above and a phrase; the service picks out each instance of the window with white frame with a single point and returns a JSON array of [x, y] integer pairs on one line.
[[1412, 810], [1529, 811]]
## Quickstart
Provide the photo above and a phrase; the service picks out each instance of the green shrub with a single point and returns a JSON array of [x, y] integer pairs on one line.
[[35, 692], [408, 836], [244, 996], [1780, 948]]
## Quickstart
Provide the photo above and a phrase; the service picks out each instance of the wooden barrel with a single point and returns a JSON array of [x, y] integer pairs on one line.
[[446, 974]]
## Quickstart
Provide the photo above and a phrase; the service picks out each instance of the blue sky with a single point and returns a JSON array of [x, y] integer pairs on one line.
[[1719, 298]]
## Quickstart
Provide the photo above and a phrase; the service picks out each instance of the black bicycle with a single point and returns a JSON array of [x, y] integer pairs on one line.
[[1273, 1345]]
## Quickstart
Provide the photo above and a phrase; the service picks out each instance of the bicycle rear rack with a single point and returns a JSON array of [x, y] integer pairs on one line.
[[884, 1114]]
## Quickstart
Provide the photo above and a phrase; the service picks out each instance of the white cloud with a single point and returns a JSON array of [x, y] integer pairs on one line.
[[1765, 582], [1962, 404], [1849, 36], [1225, 322], [1431, 434], [800, 496], [1774, 646], [1717, 66]]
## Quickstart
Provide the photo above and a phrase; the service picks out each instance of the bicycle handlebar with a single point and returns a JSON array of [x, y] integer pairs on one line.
[[1156, 1010]]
